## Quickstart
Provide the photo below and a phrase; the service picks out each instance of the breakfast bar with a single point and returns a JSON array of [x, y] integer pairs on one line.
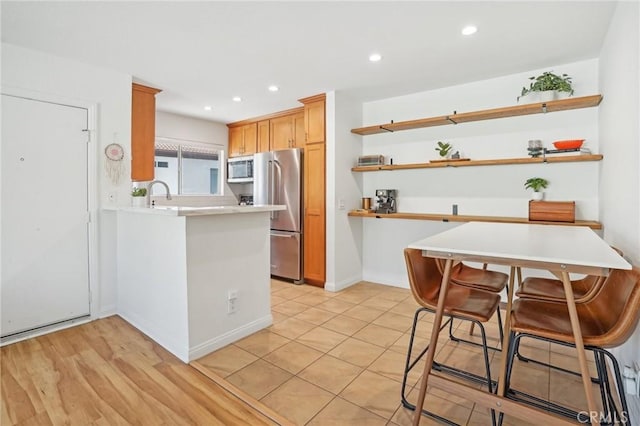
[[195, 279], [559, 249]]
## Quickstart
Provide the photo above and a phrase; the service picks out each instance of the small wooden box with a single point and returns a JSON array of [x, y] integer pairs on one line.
[[552, 211]]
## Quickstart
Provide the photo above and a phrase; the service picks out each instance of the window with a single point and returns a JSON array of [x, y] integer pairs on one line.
[[188, 167]]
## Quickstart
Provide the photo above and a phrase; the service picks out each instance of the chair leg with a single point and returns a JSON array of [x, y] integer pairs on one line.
[[624, 415], [601, 367], [458, 339], [487, 366], [409, 366], [545, 364]]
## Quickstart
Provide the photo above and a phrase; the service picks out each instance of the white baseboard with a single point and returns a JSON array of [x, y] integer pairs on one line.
[[337, 286], [107, 311], [158, 336], [229, 337]]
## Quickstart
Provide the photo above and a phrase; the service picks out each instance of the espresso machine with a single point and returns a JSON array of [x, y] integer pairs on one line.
[[385, 201]]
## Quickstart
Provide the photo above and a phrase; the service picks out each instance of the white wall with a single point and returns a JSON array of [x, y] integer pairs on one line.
[[344, 234], [491, 190], [48, 75], [619, 117]]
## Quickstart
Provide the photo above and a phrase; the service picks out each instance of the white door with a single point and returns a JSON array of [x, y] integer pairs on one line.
[[45, 235]]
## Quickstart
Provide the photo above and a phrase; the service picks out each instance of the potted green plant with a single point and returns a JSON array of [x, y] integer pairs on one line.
[[139, 197], [537, 184], [547, 86], [443, 149]]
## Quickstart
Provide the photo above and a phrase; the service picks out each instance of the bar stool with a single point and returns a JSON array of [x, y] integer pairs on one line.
[[480, 279], [607, 320], [552, 290], [462, 303]]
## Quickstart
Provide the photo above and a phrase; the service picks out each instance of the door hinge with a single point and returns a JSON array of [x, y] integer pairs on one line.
[[88, 217], [88, 132]]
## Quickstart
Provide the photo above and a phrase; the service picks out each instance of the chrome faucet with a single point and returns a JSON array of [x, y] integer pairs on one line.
[[149, 190]]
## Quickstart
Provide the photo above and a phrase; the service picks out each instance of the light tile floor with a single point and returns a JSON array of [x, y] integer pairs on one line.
[[337, 359]]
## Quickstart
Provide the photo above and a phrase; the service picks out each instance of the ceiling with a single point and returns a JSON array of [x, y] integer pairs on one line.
[[206, 52]]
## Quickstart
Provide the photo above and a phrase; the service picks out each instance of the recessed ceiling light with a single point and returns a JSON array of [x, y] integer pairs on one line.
[[207, 108], [273, 88], [469, 29], [375, 57], [237, 99]]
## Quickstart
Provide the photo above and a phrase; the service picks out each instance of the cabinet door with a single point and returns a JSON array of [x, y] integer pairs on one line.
[[314, 214], [249, 138], [281, 133], [235, 141], [263, 136], [143, 132], [298, 130], [314, 122]]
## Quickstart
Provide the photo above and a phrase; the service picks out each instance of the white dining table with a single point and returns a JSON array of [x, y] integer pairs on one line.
[[559, 249]]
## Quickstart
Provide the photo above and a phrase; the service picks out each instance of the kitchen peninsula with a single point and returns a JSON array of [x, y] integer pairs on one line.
[[195, 279]]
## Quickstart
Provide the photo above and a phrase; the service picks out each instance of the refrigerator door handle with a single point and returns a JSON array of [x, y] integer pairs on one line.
[[276, 185], [283, 235], [270, 179]]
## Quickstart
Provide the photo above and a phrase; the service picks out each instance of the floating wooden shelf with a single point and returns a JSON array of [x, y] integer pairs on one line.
[[489, 114], [495, 162], [468, 218]]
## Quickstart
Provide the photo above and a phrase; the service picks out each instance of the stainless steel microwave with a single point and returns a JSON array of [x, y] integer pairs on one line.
[[240, 169]]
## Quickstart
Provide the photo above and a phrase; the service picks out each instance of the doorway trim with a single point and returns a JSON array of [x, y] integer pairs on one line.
[[93, 190]]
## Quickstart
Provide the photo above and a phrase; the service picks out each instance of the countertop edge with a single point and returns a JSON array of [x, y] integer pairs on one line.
[[201, 211]]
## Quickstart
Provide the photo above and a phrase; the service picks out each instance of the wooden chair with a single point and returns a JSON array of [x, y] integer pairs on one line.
[[463, 303], [607, 320], [480, 279]]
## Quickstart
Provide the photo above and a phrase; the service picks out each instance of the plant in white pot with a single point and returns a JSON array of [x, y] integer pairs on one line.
[[547, 86], [444, 149], [537, 184], [139, 197]]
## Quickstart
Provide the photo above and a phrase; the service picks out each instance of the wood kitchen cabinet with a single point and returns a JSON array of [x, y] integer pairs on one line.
[[315, 190], [143, 132], [314, 121], [287, 131], [264, 135], [243, 140], [314, 214]]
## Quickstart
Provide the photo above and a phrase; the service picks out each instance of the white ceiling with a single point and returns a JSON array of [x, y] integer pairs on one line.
[[204, 53]]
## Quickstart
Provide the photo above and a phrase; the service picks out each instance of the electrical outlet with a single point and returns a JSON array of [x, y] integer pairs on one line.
[[341, 204], [231, 306], [232, 301]]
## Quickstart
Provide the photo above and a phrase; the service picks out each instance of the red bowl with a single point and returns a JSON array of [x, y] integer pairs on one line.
[[568, 144]]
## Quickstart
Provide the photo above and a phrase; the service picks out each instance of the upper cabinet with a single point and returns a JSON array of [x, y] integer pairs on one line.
[[263, 136], [314, 121], [287, 131], [243, 140], [143, 131], [488, 114]]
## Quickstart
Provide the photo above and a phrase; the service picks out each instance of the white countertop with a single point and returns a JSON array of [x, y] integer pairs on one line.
[[202, 211]]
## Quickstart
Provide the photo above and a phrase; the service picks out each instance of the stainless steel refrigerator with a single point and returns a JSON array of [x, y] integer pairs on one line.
[[277, 179]]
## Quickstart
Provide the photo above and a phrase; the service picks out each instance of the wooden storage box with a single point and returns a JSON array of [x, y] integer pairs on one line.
[[552, 211]]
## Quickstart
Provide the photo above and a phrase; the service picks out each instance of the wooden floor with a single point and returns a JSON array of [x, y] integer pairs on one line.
[[108, 373]]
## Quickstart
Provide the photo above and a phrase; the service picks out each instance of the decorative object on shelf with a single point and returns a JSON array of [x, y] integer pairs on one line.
[[371, 160], [569, 144], [537, 184], [547, 82], [552, 211], [366, 203], [535, 147], [443, 149], [139, 197], [386, 201], [456, 155], [114, 166]]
